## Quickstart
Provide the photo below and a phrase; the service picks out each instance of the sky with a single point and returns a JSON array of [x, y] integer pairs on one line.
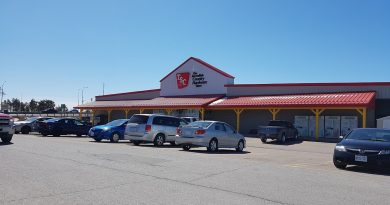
[[52, 49]]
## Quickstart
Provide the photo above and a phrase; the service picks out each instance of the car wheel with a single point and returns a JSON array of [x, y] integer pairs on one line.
[[97, 140], [25, 130], [159, 140], [6, 139], [44, 135], [173, 143], [136, 143], [79, 135], [240, 146], [16, 132], [283, 138], [213, 145], [264, 139], [186, 147], [339, 164], [114, 137], [56, 134]]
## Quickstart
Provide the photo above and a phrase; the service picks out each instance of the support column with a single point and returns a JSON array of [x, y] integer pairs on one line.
[[274, 112], [169, 111], [93, 117], [317, 113], [363, 112], [109, 115], [141, 111], [202, 110], [126, 113], [238, 113], [81, 114]]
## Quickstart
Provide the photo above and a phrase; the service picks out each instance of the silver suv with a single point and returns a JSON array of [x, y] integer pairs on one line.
[[153, 128]]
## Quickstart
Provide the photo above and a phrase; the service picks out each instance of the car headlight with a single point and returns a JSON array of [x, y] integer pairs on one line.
[[384, 152], [340, 148]]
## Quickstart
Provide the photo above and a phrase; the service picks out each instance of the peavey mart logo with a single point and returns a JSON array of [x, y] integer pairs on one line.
[[182, 79]]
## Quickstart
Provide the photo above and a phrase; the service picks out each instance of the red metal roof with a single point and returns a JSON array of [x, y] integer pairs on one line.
[[156, 103], [363, 99], [311, 84], [201, 62]]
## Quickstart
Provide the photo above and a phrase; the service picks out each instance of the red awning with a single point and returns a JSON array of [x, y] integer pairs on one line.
[[156, 103], [363, 99]]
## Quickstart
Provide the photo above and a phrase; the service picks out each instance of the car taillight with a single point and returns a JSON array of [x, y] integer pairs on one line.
[[200, 132], [178, 131], [148, 128]]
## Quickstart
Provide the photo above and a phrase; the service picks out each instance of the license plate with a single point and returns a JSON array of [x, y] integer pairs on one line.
[[187, 133], [360, 158]]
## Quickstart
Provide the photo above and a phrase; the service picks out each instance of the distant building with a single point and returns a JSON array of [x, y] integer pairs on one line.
[[196, 88]]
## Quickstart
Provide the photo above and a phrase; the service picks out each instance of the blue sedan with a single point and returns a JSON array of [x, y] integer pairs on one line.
[[113, 131]]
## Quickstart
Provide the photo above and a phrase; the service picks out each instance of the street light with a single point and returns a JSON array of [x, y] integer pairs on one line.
[[2, 94]]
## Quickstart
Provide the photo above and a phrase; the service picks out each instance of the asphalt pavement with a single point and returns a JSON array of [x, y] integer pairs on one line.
[[73, 170]]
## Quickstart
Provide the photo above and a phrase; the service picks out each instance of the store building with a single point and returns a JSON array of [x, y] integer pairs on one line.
[[196, 88]]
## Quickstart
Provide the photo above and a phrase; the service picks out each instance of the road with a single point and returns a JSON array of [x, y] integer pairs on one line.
[[71, 170]]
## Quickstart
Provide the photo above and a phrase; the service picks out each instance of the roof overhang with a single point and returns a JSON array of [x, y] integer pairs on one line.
[[187, 102], [322, 100]]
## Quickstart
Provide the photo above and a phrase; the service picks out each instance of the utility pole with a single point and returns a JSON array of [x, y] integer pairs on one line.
[[82, 94], [103, 88], [78, 96], [2, 95], [20, 104]]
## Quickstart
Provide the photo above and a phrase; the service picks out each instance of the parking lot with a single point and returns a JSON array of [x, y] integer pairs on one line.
[[73, 170]]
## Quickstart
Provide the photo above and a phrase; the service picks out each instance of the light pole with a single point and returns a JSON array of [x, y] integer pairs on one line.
[[78, 96], [2, 94], [82, 94]]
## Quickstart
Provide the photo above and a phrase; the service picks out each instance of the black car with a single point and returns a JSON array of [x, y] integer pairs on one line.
[[49, 110], [363, 147], [63, 126]]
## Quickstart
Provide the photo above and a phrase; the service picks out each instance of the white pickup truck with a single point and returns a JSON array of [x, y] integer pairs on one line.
[[6, 128]]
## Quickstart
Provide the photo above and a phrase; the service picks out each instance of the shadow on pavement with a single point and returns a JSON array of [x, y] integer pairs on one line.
[[385, 171], [4, 144], [67, 136], [287, 143], [108, 142], [166, 145], [221, 151]]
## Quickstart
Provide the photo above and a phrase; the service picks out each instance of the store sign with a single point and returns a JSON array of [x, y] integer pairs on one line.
[[182, 80], [198, 79]]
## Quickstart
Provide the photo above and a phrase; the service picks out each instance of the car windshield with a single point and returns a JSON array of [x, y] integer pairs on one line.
[[199, 124], [370, 135], [277, 123], [31, 119], [139, 119], [53, 120], [116, 122]]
